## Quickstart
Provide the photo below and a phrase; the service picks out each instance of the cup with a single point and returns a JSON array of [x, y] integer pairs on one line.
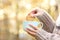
[[34, 23]]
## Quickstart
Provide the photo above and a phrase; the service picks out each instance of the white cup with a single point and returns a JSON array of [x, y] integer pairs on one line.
[[34, 23]]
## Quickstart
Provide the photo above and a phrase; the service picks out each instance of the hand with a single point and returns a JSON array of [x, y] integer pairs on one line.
[[36, 12], [32, 31]]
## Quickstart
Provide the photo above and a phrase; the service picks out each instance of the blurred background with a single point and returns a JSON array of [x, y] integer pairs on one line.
[[13, 13]]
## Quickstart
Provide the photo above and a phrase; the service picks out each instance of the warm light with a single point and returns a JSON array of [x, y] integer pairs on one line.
[[52, 2], [12, 15], [25, 4], [22, 3], [12, 28], [1, 12], [58, 21], [28, 6]]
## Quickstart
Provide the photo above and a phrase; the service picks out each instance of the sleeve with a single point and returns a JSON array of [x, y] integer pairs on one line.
[[43, 35], [48, 22], [48, 26]]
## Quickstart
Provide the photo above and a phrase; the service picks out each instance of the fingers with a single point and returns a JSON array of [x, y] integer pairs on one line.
[[35, 28], [30, 32], [34, 11]]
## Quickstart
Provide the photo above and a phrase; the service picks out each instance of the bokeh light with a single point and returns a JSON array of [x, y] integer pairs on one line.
[[13, 14]]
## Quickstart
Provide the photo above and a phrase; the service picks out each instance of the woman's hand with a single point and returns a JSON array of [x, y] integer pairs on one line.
[[36, 12], [32, 31], [31, 16]]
